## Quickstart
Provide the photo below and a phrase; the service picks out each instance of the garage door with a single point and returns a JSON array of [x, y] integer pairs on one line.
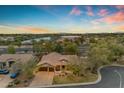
[[43, 69], [51, 69]]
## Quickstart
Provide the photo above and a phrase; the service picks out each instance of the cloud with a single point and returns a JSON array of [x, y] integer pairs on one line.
[[119, 6], [15, 30], [89, 11], [75, 11], [35, 30], [4, 29], [103, 12], [95, 22], [120, 28], [115, 18]]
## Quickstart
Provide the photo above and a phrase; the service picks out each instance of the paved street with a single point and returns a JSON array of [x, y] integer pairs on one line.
[[42, 79], [4, 80], [112, 77]]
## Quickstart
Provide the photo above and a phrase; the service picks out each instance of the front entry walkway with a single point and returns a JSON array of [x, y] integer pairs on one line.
[[42, 78]]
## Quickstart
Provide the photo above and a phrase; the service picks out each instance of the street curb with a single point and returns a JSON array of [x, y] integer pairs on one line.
[[76, 84]]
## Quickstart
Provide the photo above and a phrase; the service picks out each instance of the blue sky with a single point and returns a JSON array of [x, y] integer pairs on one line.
[[59, 18]]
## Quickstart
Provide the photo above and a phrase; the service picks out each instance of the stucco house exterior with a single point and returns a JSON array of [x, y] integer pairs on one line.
[[6, 60], [54, 62]]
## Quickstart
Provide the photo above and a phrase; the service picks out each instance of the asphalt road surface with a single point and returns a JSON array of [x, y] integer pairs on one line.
[[112, 77]]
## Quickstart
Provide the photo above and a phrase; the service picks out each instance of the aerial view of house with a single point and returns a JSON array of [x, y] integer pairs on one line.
[[54, 62], [62, 46]]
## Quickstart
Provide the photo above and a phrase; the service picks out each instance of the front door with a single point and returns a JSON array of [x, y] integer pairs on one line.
[[51, 69]]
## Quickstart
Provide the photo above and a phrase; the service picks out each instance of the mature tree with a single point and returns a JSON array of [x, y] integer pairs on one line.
[[77, 66], [28, 68], [48, 46], [71, 48], [11, 49], [105, 51], [99, 56], [117, 51], [82, 39], [18, 41], [37, 48], [58, 48]]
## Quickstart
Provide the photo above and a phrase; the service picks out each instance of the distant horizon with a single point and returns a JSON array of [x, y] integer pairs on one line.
[[60, 33], [43, 19]]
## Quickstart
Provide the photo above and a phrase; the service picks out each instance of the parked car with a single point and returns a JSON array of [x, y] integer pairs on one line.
[[4, 71], [14, 74]]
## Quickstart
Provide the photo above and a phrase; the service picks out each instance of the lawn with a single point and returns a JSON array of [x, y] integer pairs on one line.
[[74, 79]]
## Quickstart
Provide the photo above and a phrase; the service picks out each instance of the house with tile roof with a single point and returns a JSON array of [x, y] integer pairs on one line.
[[54, 62], [6, 60]]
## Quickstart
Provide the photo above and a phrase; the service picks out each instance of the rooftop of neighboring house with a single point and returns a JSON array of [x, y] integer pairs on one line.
[[16, 57], [56, 59]]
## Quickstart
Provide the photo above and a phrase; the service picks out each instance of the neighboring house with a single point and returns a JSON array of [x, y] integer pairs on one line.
[[54, 62], [6, 60]]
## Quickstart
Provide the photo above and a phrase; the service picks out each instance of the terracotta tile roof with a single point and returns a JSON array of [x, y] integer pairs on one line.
[[16, 57], [55, 59]]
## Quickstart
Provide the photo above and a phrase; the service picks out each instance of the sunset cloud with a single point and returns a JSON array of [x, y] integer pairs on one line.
[[38, 19], [10, 30], [75, 11], [89, 11], [119, 28], [103, 12], [95, 22], [35, 30], [115, 18], [119, 6]]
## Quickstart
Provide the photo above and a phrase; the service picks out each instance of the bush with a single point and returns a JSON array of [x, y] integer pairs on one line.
[[16, 81]]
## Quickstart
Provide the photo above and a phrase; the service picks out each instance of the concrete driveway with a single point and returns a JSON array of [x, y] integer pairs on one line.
[[42, 79], [4, 80]]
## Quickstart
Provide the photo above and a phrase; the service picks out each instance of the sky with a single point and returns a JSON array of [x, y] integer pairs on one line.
[[61, 19]]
